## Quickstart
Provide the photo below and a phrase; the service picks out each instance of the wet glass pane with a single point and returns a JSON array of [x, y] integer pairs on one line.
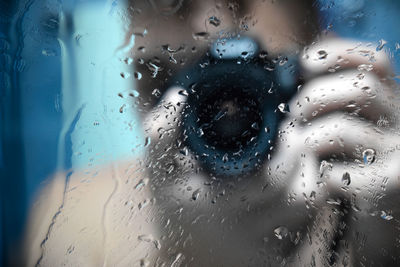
[[199, 133]]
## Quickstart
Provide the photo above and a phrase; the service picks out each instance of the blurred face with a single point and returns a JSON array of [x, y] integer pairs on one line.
[[174, 35], [210, 96]]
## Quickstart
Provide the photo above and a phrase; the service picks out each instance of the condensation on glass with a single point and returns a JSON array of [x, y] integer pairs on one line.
[[213, 133]]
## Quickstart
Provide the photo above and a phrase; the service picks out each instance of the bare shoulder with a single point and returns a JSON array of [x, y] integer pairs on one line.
[[68, 222], [46, 205]]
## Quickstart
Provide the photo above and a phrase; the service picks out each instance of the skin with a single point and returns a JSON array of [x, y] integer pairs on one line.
[[127, 214]]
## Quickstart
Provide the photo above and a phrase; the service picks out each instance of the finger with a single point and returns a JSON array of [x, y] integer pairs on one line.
[[304, 186], [371, 195], [334, 54], [374, 185], [377, 237], [337, 135], [333, 138], [163, 120], [318, 245], [284, 160], [342, 135], [295, 173], [366, 96], [293, 167]]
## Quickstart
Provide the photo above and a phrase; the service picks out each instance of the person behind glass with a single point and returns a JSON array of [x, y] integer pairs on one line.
[[324, 195]]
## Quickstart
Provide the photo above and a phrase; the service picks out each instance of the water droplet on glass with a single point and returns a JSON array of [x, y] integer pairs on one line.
[[313, 195], [141, 34], [121, 109], [281, 232], [125, 75], [170, 169], [184, 151], [386, 216], [366, 89], [382, 122], [144, 263], [147, 141], [146, 238], [220, 114], [135, 93], [332, 201], [157, 244], [283, 61], [48, 52], [183, 92], [178, 260], [137, 75], [201, 36], [263, 54], [142, 183], [322, 54], [346, 178], [369, 156], [201, 132], [213, 20], [195, 194], [381, 45], [143, 204], [324, 166], [283, 107], [365, 67], [156, 92], [128, 61], [225, 158], [255, 126]]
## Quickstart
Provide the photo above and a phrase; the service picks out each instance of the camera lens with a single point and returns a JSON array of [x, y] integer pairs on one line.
[[229, 118]]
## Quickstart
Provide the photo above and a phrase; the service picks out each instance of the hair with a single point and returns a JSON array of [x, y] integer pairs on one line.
[[143, 11]]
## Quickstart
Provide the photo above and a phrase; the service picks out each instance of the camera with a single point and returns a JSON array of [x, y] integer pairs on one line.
[[236, 98]]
